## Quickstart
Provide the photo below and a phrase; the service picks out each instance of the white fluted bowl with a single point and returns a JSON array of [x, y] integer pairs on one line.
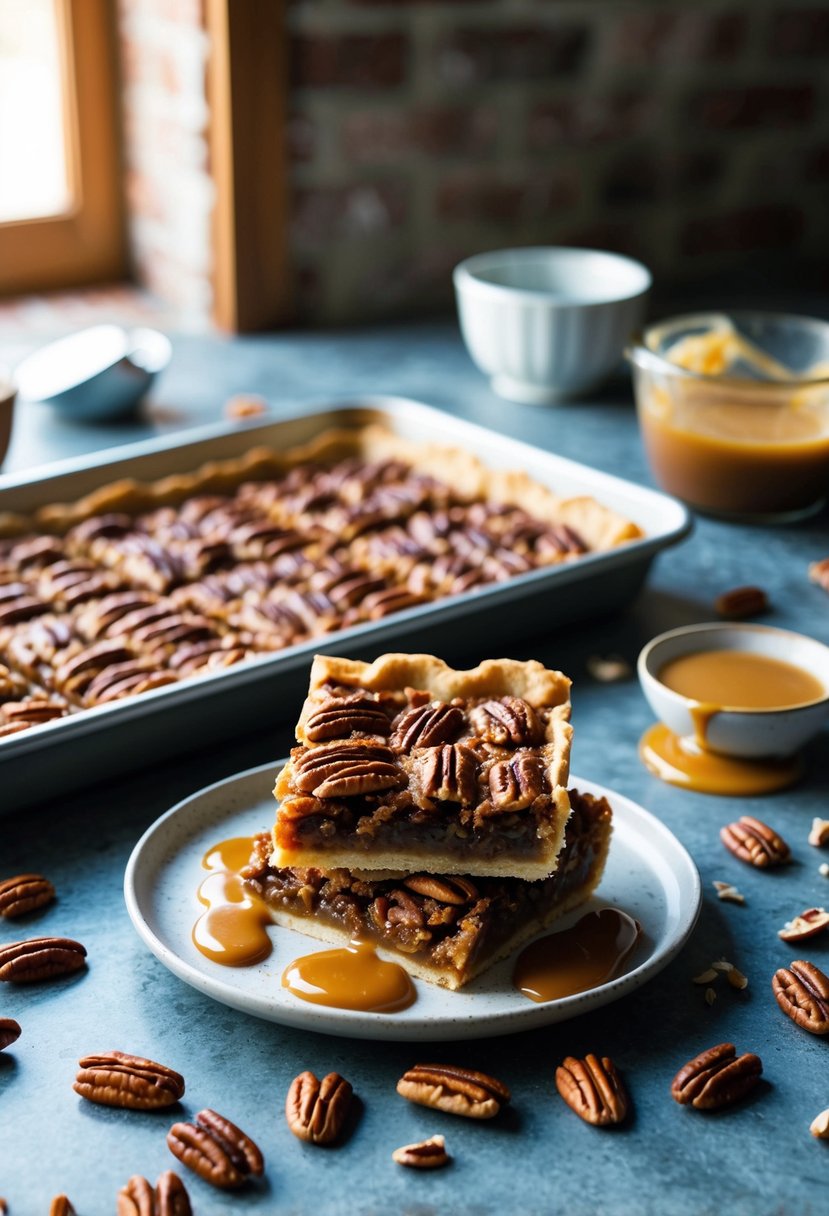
[[546, 323]]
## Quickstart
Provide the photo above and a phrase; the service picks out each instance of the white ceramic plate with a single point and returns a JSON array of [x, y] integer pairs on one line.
[[648, 874]]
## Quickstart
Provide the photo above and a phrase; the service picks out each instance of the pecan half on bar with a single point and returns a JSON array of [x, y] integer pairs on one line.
[[40, 958], [169, 1198], [802, 992], [593, 1089], [24, 893], [338, 719], [426, 1155], [755, 843], [458, 1091], [316, 1111], [715, 1078], [510, 721], [216, 1149], [9, 1032], [131, 1082], [340, 770]]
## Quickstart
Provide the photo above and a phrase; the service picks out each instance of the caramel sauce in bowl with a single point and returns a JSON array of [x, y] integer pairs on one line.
[[736, 704]]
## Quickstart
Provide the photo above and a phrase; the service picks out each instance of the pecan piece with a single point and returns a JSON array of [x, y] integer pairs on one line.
[[458, 1091], [427, 725], [339, 719], [216, 1150], [9, 1032], [452, 890], [819, 572], [755, 843], [40, 958], [448, 773], [516, 783], [716, 1077], [819, 833], [132, 1082], [169, 1198], [24, 893], [507, 721], [340, 770], [317, 1110], [61, 1206], [802, 992], [819, 1127], [428, 1154], [593, 1089], [741, 602], [807, 924]]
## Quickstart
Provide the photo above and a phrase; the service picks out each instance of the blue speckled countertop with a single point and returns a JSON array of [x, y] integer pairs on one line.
[[757, 1158]]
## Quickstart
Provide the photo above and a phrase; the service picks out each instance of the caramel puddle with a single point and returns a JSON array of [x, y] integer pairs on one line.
[[574, 960], [350, 977], [684, 763], [232, 930]]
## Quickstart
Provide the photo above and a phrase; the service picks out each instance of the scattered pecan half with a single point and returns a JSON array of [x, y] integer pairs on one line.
[[819, 572], [427, 726], [819, 833], [448, 773], [426, 1155], [807, 924], [593, 1089], [317, 1110], [510, 721], [716, 1077], [215, 1149], [336, 719], [516, 783], [132, 1082], [755, 843], [9, 1032], [741, 602], [340, 770], [819, 1127], [458, 1091], [24, 893], [168, 1198], [40, 958], [802, 992], [452, 890], [60, 1206]]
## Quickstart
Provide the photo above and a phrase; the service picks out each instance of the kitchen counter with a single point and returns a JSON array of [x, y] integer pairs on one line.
[[537, 1157]]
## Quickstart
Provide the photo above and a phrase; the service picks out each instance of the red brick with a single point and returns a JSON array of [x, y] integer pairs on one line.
[[753, 106], [712, 36], [374, 137], [321, 215], [302, 140], [817, 164], [363, 61], [471, 57], [582, 119], [799, 31], [618, 236], [669, 38], [477, 195], [660, 173], [769, 226]]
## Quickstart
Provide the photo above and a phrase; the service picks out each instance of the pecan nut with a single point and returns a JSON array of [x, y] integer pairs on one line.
[[215, 1149], [9, 1032], [819, 832], [132, 1082], [448, 773], [508, 722], [453, 890], [61, 1206], [24, 893], [755, 843], [741, 602], [516, 783], [338, 719], [819, 1127], [593, 1089], [428, 1154], [168, 1198], [807, 924], [427, 725], [716, 1077], [316, 1111], [802, 992], [341, 770], [40, 958], [458, 1091]]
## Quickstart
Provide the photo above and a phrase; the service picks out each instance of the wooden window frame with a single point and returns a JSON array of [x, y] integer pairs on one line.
[[86, 243]]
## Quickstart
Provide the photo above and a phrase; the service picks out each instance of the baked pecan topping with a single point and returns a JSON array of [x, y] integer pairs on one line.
[[169, 1198], [61, 1206], [516, 783], [755, 842], [453, 890], [448, 773], [32, 712], [593, 1089], [117, 1079], [458, 1091], [24, 893], [428, 1154], [9, 1032], [338, 719], [216, 1150], [716, 1077], [317, 1110], [802, 992], [427, 726], [40, 958], [340, 770], [509, 721]]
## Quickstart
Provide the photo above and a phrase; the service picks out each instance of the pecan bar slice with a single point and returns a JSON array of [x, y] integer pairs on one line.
[[405, 765], [442, 928]]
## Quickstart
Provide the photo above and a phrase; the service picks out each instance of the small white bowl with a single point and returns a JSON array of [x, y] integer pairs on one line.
[[747, 733], [546, 323]]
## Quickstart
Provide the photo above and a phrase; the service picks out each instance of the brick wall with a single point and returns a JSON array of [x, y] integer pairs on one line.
[[691, 133]]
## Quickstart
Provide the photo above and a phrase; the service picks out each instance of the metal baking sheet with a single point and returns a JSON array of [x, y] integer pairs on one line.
[[110, 739]]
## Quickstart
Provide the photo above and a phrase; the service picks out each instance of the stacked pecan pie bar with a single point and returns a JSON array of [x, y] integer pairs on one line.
[[426, 809]]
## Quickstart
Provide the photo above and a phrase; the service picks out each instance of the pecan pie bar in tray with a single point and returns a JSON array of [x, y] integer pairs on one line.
[[406, 765]]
